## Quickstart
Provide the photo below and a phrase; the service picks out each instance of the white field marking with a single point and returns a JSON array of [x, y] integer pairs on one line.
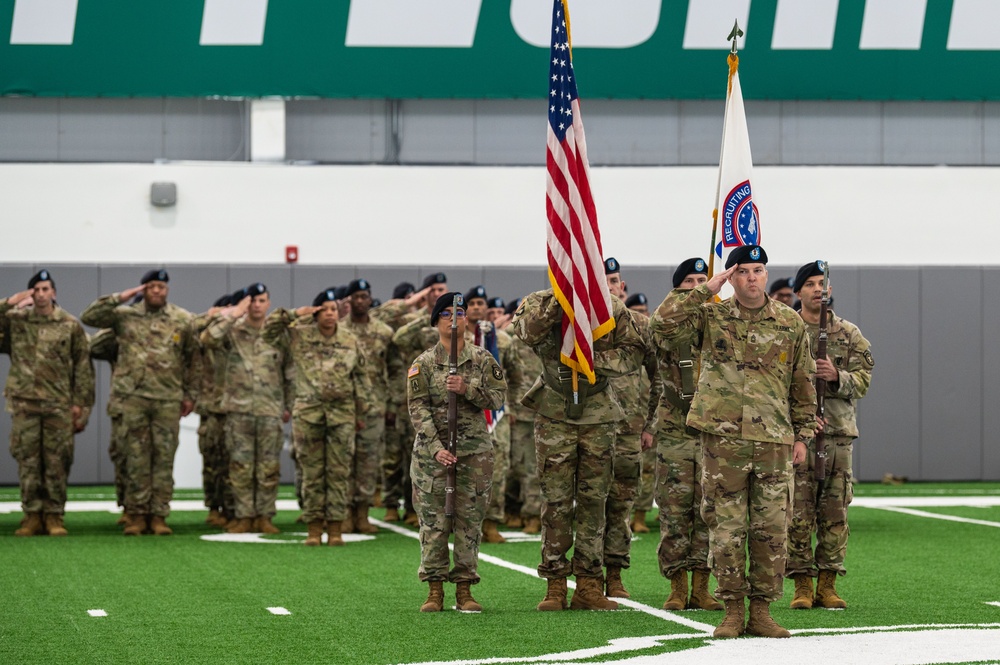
[[258, 538], [949, 518], [927, 501], [994, 603], [279, 611], [97, 613], [177, 505], [531, 572]]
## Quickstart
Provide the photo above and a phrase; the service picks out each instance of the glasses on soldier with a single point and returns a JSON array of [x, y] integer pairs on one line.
[[446, 314]]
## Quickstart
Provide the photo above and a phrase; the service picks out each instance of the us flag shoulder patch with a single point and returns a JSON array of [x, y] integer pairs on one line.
[[414, 370]]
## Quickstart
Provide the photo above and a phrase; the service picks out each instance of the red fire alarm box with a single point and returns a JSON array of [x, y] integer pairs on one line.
[[292, 254]]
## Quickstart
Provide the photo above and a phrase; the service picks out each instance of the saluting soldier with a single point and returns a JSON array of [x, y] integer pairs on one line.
[[638, 303]]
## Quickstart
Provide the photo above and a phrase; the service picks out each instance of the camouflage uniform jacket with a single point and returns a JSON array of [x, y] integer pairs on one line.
[[253, 373], [210, 371], [375, 339], [531, 369], [50, 358], [538, 323], [639, 392], [851, 354], [155, 349], [409, 341], [509, 361], [428, 400], [329, 371], [104, 346], [755, 381], [394, 313]]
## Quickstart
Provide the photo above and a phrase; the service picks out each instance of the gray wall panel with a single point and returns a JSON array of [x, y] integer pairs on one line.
[[991, 369], [700, 131], [385, 278], [846, 132], [436, 131], [933, 133], [336, 130], [29, 130], [110, 130], [277, 279], [654, 281], [307, 281], [514, 283], [991, 133], [211, 129], [194, 287], [764, 126], [460, 278], [510, 131], [651, 135]]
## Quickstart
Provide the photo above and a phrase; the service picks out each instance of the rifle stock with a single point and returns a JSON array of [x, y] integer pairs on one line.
[[819, 470], [451, 480]]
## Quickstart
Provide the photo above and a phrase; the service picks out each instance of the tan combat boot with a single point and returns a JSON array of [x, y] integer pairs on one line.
[[122, 520], [490, 533], [639, 522], [31, 525], [677, 600], [614, 586], [377, 499], [215, 518], [701, 599], [435, 598], [240, 525], [732, 625], [135, 525], [347, 526], [513, 521], [555, 596], [333, 537], [265, 525], [532, 525], [589, 596], [361, 523], [159, 526], [391, 515], [54, 525], [315, 536], [761, 623], [804, 596], [826, 591], [464, 602], [411, 518]]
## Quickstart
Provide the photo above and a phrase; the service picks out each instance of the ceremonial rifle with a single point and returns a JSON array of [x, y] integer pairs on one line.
[[449, 487], [819, 470]]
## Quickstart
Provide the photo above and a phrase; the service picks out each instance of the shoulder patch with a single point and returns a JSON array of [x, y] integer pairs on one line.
[[497, 372], [868, 358], [414, 370]]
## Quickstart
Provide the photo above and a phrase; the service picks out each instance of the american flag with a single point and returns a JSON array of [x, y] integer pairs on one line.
[[576, 264]]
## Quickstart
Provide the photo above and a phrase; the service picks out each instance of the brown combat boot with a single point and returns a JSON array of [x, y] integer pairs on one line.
[[315, 536], [464, 602], [761, 623], [377, 499], [513, 521], [639, 522], [613, 585], [804, 596], [411, 518], [677, 600], [555, 596], [347, 526], [490, 533], [333, 537], [159, 526], [54, 525], [701, 599], [31, 525], [826, 591], [122, 520], [361, 523], [589, 595], [435, 598], [733, 624], [240, 525], [532, 525], [215, 518], [391, 515], [265, 525], [135, 525]]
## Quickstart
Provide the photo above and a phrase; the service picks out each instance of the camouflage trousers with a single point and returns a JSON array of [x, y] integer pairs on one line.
[[116, 450], [626, 464], [215, 462], [683, 532], [575, 470], [746, 503], [647, 482], [473, 480], [151, 427], [41, 441], [501, 466], [324, 452], [523, 493], [829, 523], [253, 445], [368, 444], [396, 485]]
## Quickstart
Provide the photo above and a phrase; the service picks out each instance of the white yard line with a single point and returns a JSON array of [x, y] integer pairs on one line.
[[280, 611], [948, 518], [97, 613]]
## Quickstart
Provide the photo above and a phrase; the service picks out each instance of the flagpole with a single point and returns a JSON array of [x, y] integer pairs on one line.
[[734, 34]]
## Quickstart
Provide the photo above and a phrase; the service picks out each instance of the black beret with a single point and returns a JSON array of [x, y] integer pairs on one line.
[[746, 254], [255, 289], [402, 290], [40, 276], [693, 266], [636, 299], [376, 302], [443, 303], [325, 296], [476, 292], [512, 306], [611, 266], [238, 295], [813, 269], [358, 285], [778, 284], [339, 291], [434, 278], [155, 276], [495, 302], [224, 301]]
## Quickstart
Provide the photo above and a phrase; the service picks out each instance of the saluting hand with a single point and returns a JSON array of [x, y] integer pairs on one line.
[[306, 310], [128, 294], [719, 279], [241, 308], [20, 299]]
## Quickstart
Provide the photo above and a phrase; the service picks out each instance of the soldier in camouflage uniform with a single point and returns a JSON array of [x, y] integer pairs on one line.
[[413, 338], [523, 472], [50, 391], [375, 339], [635, 434], [643, 504], [255, 396], [755, 406], [847, 369], [574, 445], [332, 396], [683, 533], [155, 384], [104, 346], [478, 384]]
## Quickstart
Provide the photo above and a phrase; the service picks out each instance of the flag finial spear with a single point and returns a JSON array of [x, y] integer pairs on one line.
[[735, 34]]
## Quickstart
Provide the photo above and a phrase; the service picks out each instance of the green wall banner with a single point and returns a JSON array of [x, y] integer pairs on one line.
[[626, 49]]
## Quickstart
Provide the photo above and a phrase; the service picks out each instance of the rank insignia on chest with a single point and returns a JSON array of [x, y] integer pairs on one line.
[[783, 358], [414, 370], [177, 338]]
